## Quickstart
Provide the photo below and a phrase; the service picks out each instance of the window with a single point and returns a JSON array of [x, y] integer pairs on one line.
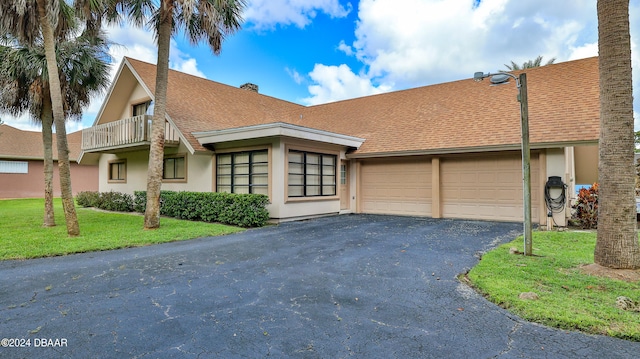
[[311, 174], [14, 167], [243, 172], [142, 108], [174, 168], [118, 171]]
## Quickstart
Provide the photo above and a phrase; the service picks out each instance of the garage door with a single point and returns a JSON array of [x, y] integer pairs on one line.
[[398, 186], [486, 187]]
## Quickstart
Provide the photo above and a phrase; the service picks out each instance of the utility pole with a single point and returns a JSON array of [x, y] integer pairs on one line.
[[526, 163]]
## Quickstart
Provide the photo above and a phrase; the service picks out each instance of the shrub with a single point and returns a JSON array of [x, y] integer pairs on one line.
[[115, 201], [88, 198], [139, 201], [244, 210], [586, 207], [109, 201]]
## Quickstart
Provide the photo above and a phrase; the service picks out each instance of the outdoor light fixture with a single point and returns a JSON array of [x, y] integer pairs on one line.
[[521, 83]]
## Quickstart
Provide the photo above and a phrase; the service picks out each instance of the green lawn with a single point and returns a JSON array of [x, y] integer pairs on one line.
[[22, 235], [568, 299]]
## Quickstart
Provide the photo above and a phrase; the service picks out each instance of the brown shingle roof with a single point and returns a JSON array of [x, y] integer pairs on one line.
[[563, 107], [27, 145], [454, 116]]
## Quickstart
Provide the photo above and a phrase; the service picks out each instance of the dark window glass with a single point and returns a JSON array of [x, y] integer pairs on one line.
[[243, 172], [311, 174]]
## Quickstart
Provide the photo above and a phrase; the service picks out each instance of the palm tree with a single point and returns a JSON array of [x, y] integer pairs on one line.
[[617, 242], [528, 64], [45, 20], [212, 20], [23, 75], [24, 91]]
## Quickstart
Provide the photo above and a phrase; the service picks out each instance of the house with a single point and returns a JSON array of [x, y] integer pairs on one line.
[[22, 165], [450, 150]]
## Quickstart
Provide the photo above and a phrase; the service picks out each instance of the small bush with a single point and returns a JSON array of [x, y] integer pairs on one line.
[[115, 201], [586, 207], [88, 198], [246, 211], [139, 201]]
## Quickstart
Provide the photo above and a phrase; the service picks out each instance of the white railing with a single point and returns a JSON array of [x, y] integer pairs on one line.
[[130, 131]]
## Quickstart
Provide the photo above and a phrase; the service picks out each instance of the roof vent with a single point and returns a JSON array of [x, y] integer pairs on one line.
[[249, 86]]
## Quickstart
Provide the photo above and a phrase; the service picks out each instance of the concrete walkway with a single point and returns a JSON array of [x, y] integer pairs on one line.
[[345, 286]]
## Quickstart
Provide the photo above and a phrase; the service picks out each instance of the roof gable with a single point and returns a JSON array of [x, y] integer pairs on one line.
[[119, 93], [195, 104]]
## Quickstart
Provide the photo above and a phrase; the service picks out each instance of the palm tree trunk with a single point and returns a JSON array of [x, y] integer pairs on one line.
[[617, 241], [64, 167], [156, 151], [47, 141]]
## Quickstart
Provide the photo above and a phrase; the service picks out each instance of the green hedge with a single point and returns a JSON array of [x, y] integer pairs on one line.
[[244, 210], [110, 201]]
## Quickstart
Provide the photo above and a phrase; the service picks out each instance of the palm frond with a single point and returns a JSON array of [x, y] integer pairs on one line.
[[83, 65]]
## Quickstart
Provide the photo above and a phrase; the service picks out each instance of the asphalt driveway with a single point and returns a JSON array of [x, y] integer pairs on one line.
[[345, 286]]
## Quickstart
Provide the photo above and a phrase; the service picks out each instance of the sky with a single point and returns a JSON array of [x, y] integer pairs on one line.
[[317, 51]]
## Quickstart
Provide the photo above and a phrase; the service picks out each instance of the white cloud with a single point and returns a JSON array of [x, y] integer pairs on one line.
[[267, 14], [348, 50], [188, 65], [334, 83], [23, 122], [443, 40], [295, 75], [584, 51]]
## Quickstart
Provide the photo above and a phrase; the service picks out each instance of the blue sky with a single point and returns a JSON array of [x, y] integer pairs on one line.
[[318, 51]]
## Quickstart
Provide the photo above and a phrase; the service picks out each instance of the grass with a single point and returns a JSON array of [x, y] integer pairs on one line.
[[22, 235], [568, 299]]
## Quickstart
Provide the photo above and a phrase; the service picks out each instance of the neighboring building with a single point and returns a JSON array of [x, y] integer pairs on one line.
[[448, 150], [22, 165]]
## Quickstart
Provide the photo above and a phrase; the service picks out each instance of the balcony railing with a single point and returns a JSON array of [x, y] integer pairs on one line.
[[130, 132]]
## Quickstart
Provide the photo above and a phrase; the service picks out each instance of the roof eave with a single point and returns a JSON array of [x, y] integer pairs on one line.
[[274, 130], [472, 149]]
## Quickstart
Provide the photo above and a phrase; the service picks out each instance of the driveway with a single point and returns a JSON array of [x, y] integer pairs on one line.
[[345, 286]]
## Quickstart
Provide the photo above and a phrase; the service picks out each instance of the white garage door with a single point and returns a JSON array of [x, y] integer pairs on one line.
[[396, 186], [486, 187]]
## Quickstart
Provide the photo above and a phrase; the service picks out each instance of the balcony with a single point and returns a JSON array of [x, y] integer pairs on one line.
[[124, 135]]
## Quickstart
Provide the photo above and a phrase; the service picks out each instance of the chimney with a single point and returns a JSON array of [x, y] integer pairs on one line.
[[249, 86]]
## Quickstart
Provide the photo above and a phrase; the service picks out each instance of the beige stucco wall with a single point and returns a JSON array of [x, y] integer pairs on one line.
[[201, 175], [138, 95], [124, 95], [199, 172], [586, 164], [353, 185], [282, 208], [136, 172], [560, 163]]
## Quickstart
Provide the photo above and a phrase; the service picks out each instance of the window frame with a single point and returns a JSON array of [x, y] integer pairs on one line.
[[321, 176], [134, 105], [250, 174], [14, 167], [118, 162], [182, 156]]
